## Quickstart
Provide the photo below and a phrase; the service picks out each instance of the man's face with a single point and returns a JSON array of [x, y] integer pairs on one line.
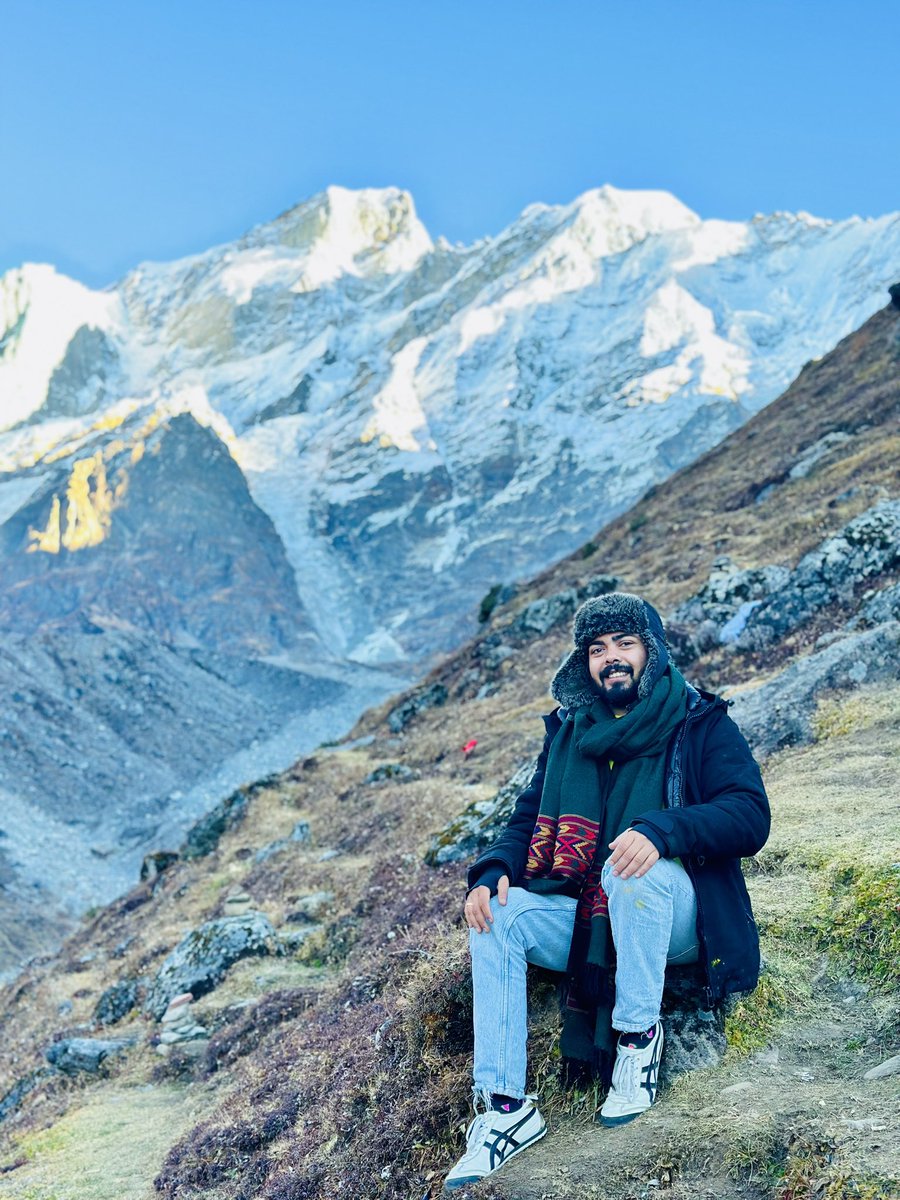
[[616, 662]]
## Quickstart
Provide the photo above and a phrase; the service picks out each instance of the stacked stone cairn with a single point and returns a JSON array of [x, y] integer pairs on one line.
[[179, 1026]]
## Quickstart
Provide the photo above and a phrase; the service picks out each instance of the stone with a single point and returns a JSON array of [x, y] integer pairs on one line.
[[817, 451], [180, 1000], [308, 908], [199, 961], [867, 546], [188, 1032], [694, 1037], [423, 698], [73, 1055], [890, 1066], [779, 713], [156, 862], [718, 613], [391, 771], [204, 836], [20, 1089], [268, 851], [116, 1002], [293, 939], [480, 824], [883, 606]]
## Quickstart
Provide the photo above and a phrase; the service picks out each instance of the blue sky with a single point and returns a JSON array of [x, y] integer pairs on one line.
[[137, 130]]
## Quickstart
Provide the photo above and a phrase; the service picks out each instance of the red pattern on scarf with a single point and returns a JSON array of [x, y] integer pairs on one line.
[[566, 849]]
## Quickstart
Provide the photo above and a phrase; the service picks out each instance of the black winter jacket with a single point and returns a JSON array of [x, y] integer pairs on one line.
[[716, 812]]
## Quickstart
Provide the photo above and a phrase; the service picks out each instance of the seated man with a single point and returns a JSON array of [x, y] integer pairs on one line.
[[622, 855]]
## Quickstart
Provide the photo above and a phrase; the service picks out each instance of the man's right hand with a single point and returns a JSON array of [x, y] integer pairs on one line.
[[478, 905]]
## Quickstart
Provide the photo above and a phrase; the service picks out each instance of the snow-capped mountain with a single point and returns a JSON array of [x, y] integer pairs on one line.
[[420, 420], [237, 489]]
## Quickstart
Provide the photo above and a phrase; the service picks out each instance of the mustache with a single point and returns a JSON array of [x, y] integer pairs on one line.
[[607, 671]]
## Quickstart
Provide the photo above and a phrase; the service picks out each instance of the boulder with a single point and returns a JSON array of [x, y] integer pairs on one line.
[[73, 1055], [156, 862], [300, 833], [199, 961], [883, 606], [429, 697], [117, 1002], [717, 612], [479, 824], [204, 836], [694, 1037], [20, 1089], [391, 771], [865, 547], [779, 712]]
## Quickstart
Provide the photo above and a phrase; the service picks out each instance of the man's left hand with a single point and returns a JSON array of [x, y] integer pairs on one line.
[[632, 854]]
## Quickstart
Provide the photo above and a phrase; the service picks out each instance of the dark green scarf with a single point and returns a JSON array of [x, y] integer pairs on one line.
[[584, 805]]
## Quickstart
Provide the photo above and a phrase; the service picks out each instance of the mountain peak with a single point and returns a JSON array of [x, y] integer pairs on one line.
[[364, 230], [651, 210]]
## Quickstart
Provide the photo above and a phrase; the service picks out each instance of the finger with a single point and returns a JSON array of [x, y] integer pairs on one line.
[[479, 913], [503, 889], [640, 862], [647, 863], [620, 849]]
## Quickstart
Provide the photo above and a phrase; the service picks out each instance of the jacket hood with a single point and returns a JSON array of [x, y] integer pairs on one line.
[[616, 612]]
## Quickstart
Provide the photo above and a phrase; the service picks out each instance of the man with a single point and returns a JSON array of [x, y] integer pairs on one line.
[[622, 855]]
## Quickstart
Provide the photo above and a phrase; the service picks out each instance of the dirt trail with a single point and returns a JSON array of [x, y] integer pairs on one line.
[[710, 1132]]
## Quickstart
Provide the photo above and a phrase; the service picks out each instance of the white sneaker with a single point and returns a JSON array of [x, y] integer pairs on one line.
[[492, 1139], [635, 1078]]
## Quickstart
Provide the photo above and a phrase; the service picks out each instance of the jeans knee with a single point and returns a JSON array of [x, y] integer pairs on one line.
[[633, 885]]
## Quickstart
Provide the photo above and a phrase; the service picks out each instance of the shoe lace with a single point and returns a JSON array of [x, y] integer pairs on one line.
[[626, 1077], [481, 1102]]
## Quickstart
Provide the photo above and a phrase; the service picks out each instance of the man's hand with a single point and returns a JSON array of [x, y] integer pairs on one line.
[[478, 905], [632, 854]]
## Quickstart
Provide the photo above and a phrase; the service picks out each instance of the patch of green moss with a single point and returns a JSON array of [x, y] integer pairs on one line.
[[751, 1023], [857, 917]]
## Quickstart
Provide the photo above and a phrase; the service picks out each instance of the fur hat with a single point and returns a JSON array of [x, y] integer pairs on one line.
[[617, 612]]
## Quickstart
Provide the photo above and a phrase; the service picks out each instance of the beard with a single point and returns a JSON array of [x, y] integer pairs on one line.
[[619, 694]]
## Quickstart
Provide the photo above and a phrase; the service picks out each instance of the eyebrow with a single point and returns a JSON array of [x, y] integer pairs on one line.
[[616, 637]]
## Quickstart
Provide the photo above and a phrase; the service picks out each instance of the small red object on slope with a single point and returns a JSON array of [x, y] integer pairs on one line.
[[469, 747]]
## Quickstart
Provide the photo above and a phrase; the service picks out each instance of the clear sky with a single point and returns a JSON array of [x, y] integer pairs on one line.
[[150, 129]]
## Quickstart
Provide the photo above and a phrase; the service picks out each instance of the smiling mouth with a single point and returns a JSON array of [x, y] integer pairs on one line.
[[617, 674]]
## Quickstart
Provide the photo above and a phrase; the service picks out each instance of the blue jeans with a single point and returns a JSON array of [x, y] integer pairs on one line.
[[654, 921]]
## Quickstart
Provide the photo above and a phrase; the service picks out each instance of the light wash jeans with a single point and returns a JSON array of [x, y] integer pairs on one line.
[[654, 921]]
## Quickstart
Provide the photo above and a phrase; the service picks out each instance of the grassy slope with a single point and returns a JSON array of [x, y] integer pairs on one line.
[[379, 1062]]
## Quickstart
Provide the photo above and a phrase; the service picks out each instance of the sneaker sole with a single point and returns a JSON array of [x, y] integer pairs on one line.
[[465, 1180], [611, 1122]]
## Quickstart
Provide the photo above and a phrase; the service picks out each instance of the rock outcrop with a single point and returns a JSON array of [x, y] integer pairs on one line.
[[78, 1055], [866, 547], [779, 713], [202, 957]]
